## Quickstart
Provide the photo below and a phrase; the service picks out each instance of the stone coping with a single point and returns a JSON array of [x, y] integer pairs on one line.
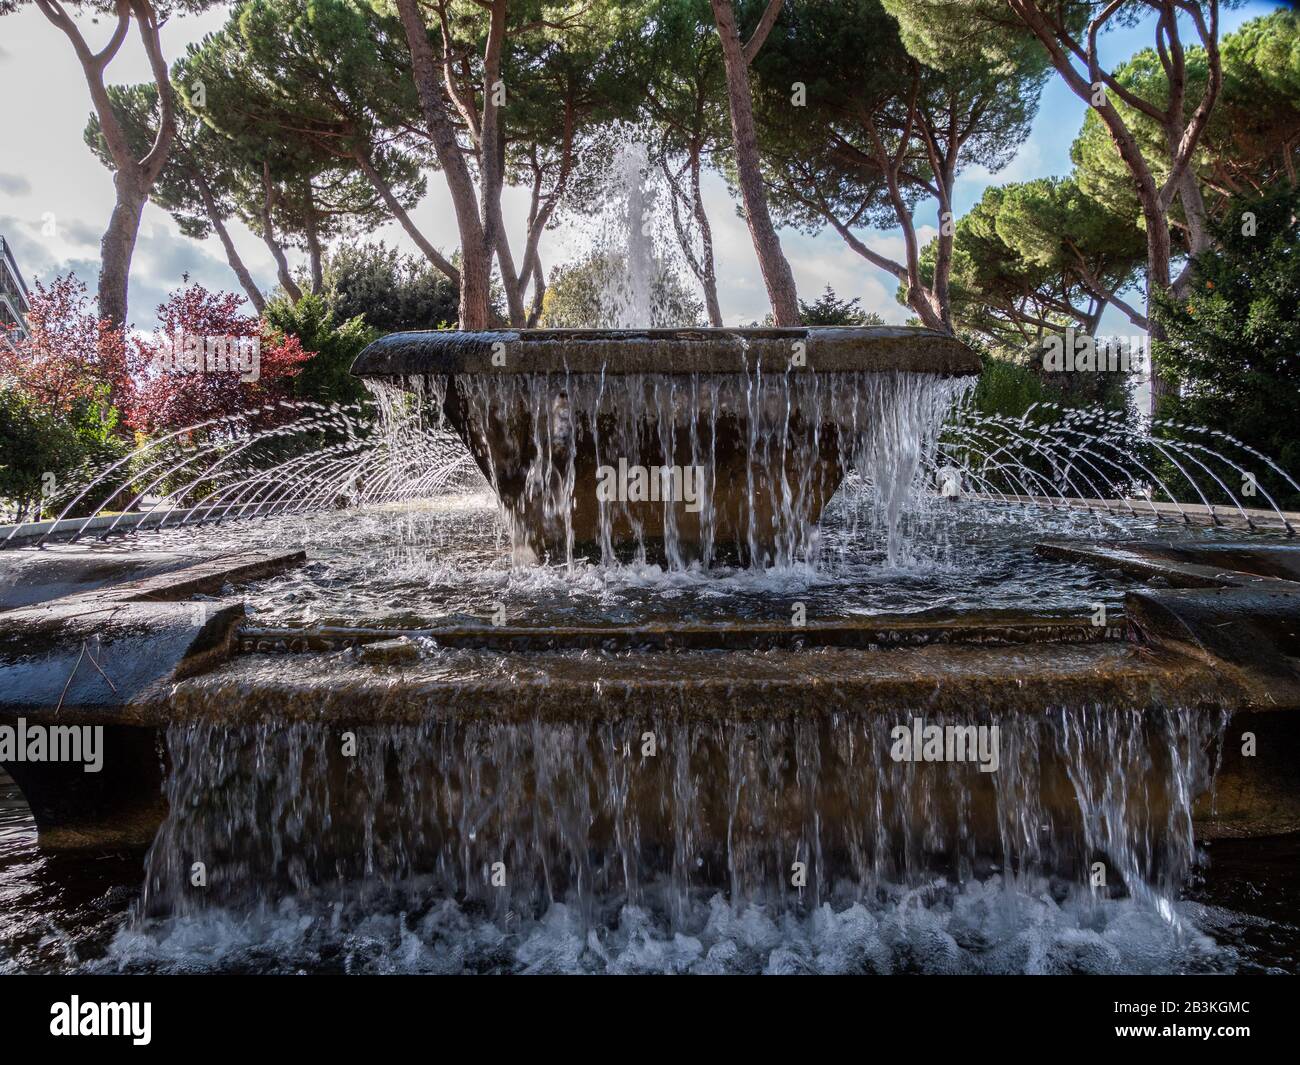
[[825, 349], [1219, 635], [96, 653], [708, 685], [1225, 514], [1235, 605], [876, 632]]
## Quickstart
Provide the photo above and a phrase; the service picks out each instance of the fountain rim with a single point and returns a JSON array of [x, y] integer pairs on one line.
[[827, 349]]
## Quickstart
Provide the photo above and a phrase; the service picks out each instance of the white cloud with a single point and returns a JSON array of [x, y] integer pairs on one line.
[[14, 185]]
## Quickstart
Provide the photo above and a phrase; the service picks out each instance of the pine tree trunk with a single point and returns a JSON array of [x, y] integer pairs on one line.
[[476, 255], [440, 262], [709, 272], [255, 296], [1158, 271], [777, 275], [118, 246]]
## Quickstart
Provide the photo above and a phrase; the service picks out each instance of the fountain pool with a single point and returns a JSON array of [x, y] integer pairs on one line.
[[414, 712]]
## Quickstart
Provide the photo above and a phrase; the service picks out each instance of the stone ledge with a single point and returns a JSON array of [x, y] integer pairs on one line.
[[89, 657], [829, 349], [876, 632], [1232, 605], [710, 685]]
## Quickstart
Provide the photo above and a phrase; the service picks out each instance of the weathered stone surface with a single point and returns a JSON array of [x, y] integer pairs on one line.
[[669, 351], [33, 576], [877, 632], [391, 652], [1254, 519], [99, 651], [1232, 604], [701, 684], [509, 444], [29, 575], [92, 658], [1192, 564], [91, 662], [1255, 794], [1254, 633]]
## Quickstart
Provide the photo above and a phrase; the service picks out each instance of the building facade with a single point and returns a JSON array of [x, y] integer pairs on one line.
[[14, 303]]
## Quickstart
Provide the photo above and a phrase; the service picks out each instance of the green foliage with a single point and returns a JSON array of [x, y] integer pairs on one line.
[[1253, 135], [393, 292], [297, 94], [48, 457], [570, 82], [325, 377], [1010, 387], [950, 33], [1235, 341], [860, 81], [1032, 258], [681, 64], [1007, 388], [829, 309], [580, 296], [1099, 169], [201, 176], [872, 132]]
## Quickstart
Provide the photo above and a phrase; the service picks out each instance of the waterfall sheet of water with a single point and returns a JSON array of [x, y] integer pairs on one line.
[[489, 836], [771, 451]]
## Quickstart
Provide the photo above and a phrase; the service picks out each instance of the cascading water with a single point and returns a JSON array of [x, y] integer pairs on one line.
[[630, 291], [758, 841], [770, 451], [634, 269], [481, 846]]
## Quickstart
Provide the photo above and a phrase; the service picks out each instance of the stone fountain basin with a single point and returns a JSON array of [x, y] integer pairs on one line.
[[613, 352], [512, 436], [1216, 639]]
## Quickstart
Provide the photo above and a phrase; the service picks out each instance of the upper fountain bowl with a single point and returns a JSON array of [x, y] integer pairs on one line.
[[689, 439], [825, 349]]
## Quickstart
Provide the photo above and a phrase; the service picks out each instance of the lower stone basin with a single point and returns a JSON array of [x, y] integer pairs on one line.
[[688, 442]]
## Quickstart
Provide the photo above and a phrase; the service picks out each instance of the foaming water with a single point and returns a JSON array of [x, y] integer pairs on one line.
[[446, 561], [450, 564], [981, 927], [674, 845]]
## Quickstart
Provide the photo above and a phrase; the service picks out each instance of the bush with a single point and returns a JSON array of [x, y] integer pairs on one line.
[[1010, 387], [391, 291], [831, 310], [50, 456], [325, 377], [1234, 342]]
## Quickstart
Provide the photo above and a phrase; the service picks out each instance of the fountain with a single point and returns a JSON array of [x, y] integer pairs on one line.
[[395, 747], [684, 442], [794, 664]]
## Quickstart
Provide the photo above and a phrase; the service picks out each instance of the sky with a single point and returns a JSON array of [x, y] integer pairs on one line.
[[55, 196]]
